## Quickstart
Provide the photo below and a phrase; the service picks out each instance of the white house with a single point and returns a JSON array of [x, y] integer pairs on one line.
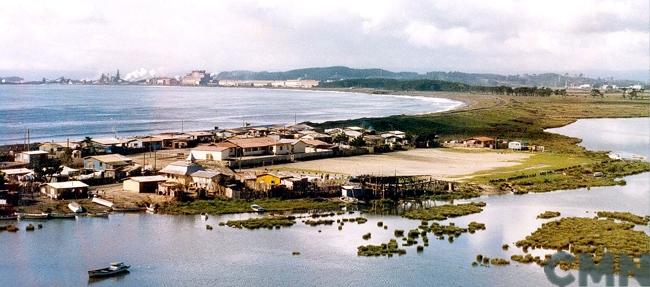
[[515, 145], [216, 152]]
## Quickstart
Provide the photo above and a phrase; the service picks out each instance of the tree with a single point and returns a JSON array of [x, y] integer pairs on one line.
[[597, 93], [358, 141], [340, 138], [88, 146], [44, 169]]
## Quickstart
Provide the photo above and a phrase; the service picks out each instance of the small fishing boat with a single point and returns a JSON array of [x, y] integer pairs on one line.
[[257, 208], [9, 217], [204, 216], [63, 216], [75, 207], [128, 209], [98, 214], [114, 269], [151, 209], [23, 216]]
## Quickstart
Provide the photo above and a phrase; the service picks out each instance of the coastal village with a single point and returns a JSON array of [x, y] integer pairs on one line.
[[236, 163]]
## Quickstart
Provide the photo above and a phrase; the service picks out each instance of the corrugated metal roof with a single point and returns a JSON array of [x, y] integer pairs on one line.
[[67, 184]]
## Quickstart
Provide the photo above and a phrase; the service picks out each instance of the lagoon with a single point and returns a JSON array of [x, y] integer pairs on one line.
[[167, 250]]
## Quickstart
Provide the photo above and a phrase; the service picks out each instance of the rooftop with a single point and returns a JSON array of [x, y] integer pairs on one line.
[[151, 178], [111, 158], [254, 142], [205, 174], [67, 184]]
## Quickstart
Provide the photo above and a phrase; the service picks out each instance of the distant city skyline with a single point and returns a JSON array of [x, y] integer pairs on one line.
[[82, 39]]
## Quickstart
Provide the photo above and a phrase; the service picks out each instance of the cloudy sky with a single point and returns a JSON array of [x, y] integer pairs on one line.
[[84, 38]]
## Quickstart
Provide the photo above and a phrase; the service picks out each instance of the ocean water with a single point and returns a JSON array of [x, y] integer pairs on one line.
[[178, 251], [59, 112]]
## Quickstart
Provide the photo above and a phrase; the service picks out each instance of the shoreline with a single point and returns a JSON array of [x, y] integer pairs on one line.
[[460, 105]]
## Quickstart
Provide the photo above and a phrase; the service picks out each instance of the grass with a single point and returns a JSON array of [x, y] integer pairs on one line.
[[624, 216], [385, 249], [522, 118], [225, 206], [564, 175], [319, 222], [443, 212], [581, 235], [548, 214], [264, 222]]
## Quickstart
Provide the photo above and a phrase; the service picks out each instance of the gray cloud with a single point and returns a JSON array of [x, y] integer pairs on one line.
[[88, 37]]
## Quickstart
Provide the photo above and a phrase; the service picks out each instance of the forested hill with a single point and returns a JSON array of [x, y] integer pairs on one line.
[[337, 73]]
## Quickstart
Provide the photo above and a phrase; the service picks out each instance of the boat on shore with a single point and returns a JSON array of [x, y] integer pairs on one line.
[[128, 209], [257, 208], [33, 216], [151, 209], [97, 214], [75, 207], [63, 216], [8, 217], [114, 269], [204, 216]]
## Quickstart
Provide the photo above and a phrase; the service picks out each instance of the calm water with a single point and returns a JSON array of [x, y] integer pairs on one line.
[[62, 111], [178, 251]]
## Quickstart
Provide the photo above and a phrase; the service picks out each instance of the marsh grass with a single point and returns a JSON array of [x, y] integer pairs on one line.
[[624, 216], [443, 212], [548, 214], [264, 222]]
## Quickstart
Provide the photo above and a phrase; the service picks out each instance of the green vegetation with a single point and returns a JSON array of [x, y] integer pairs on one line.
[[443, 212], [366, 236], [224, 206], [624, 216], [548, 214], [525, 118], [10, 228], [385, 249], [505, 246], [264, 222], [589, 236], [598, 173], [399, 233], [499, 261], [319, 222]]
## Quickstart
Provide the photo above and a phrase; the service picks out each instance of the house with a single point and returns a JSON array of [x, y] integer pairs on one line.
[[517, 145], [316, 146], [271, 179], [214, 152], [260, 146], [352, 134], [17, 174], [201, 136], [106, 162], [58, 148], [143, 184], [109, 145], [32, 158], [173, 140], [480, 142], [349, 191], [65, 190], [374, 140], [145, 142], [317, 136], [205, 179], [180, 172]]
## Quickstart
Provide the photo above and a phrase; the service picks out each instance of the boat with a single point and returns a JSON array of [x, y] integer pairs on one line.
[[63, 216], [75, 207], [257, 208], [98, 214], [103, 202], [151, 209], [128, 209], [23, 216], [114, 269], [204, 216], [8, 217]]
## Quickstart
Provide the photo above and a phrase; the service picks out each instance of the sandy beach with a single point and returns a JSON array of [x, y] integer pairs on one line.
[[439, 163]]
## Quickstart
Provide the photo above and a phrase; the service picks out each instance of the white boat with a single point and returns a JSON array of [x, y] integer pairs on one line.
[[204, 216], [75, 207], [103, 202], [257, 208], [151, 209]]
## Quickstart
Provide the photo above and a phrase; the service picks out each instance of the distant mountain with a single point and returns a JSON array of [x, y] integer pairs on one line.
[[11, 80], [323, 74], [337, 73]]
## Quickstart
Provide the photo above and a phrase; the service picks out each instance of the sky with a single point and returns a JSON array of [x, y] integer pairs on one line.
[[84, 38]]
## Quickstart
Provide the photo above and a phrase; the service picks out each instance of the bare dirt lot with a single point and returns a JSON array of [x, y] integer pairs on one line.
[[439, 163]]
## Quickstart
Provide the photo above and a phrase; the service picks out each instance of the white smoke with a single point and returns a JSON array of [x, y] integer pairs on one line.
[[140, 74]]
